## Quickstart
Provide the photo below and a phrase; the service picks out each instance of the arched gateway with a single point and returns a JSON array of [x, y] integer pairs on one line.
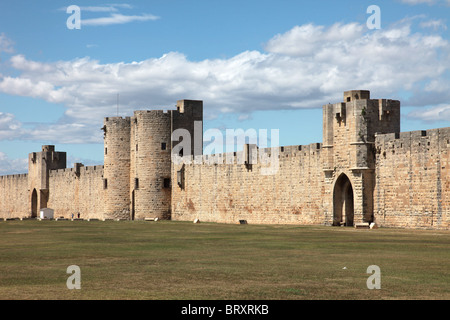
[[34, 204], [343, 203]]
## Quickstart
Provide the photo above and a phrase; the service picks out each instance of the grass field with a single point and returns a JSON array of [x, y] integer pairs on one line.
[[181, 260]]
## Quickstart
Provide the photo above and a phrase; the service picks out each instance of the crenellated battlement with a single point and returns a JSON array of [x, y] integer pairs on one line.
[[365, 170], [83, 169], [15, 176], [262, 155]]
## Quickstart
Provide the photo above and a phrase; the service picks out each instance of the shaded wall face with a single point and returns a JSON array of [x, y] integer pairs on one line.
[[189, 116]]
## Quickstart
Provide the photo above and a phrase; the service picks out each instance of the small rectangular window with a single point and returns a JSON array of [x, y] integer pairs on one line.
[[166, 183], [137, 148], [106, 150], [105, 183], [163, 146], [136, 183]]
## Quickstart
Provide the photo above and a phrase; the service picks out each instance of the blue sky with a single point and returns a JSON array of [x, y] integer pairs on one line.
[[255, 64]]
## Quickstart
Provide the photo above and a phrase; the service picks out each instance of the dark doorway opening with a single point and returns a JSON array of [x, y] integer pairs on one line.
[[34, 204], [343, 202]]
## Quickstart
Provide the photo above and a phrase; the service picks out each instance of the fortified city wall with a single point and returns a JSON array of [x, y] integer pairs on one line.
[[77, 190], [413, 179], [239, 191], [364, 171], [14, 196]]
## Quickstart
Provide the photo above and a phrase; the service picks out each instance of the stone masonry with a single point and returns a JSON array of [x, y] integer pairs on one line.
[[365, 170]]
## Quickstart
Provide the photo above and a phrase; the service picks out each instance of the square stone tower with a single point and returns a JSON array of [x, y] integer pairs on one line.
[[39, 166], [349, 130], [189, 116]]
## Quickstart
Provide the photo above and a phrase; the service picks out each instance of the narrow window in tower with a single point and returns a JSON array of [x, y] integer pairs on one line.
[[166, 183], [106, 150], [137, 148], [180, 178], [136, 183], [163, 146], [105, 183]]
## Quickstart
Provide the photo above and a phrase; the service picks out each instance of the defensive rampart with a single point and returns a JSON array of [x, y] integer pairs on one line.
[[228, 192], [413, 179], [77, 190], [14, 196]]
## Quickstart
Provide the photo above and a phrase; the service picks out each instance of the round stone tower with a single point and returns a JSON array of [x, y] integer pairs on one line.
[[116, 177], [150, 183]]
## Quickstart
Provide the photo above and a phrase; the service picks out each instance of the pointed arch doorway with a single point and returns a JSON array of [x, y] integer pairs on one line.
[[34, 204], [343, 202]]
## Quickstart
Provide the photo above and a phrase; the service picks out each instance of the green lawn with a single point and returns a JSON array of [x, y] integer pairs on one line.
[[182, 260]]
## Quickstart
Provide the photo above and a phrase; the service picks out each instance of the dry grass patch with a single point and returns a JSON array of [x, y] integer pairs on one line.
[[177, 260]]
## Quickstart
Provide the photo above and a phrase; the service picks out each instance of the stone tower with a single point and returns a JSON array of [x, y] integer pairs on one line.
[[39, 166], [116, 177], [137, 170], [150, 191], [189, 116], [349, 130], [151, 147]]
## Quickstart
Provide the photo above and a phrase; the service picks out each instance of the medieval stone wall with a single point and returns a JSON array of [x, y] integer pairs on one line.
[[222, 192], [365, 171], [14, 202], [413, 179], [77, 190]]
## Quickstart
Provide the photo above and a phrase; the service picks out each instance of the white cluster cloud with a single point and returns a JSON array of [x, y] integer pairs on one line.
[[115, 17], [436, 113], [6, 44], [306, 67], [10, 128], [434, 24], [105, 8], [12, 166], [414, 2]]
